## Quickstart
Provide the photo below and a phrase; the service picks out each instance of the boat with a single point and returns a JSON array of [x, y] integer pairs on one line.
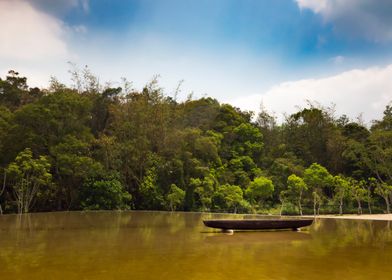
[[258, 224]]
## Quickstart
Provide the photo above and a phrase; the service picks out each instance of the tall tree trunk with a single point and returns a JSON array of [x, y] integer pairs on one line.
[[359, 207], [387, 203], [314, 206], [341, 207], [369, 204], [370, 208], [390, 196], [281, 209], [300, 207], [299, 203]]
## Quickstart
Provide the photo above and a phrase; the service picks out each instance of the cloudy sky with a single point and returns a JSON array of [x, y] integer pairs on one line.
[[279, 53]]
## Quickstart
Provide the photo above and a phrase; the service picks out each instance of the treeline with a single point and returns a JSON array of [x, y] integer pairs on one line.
[[93, 147]]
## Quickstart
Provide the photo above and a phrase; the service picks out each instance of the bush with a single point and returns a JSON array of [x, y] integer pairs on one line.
[[104, 194]]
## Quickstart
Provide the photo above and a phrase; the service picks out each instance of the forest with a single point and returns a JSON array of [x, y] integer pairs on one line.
[[92, 147]]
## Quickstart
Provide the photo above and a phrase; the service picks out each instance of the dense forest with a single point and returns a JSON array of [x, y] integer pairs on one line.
[[90, 147]]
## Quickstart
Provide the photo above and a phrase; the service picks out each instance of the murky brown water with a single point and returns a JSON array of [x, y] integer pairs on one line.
[[156, 245]]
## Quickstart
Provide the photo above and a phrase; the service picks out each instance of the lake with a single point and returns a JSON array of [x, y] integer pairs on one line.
[[164, 245]]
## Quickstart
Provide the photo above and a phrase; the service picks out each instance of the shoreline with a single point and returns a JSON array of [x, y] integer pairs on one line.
[[372, 217]]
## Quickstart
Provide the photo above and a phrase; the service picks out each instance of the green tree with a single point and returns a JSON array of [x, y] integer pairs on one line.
[[175, 197], [317, 178], [28, 175], [283, 197], [104, 194], [5, 126], [205, 190], [150, 193], [384, 191], [232, 196], [317, 201], [14, 91], [380, 147], [73, 164], [358, 193], [260, 189], [297, 187], [308, 134], [342, 190]]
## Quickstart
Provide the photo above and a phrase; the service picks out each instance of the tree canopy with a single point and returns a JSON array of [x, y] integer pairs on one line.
[[89, 146]]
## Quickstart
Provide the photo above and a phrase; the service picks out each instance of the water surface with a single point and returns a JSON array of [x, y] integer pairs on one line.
[[161, 245]]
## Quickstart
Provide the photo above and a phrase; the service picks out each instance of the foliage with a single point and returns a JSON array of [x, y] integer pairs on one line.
[[385, 192], [358, 193], [231, 197], [259, 189], [104, 194], [193, 155], [28, 176], [175, 197], [149, 191], [296, 187], [342, 190]]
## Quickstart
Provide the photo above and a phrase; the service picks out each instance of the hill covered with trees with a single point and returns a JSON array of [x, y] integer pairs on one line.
[[93, 147]]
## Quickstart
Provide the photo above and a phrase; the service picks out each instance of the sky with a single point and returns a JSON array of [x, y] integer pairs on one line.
[[279, 54]]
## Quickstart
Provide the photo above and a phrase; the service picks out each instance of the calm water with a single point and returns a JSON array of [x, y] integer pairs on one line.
[[155, 245]]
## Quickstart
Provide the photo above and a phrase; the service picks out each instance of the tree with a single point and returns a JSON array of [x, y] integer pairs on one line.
[[175, 197], [317, 201], [14, 91], [104, 194], [232, 196], [28, 175], [384, 191], [150, 193], [358, 193], [317, 178], [205, 190], [369, 184], [5, 125], [380, 147], [260, 189], [297, 186], [342, 190], [73, 164], [283, 197], [154, 142], [308, 132]]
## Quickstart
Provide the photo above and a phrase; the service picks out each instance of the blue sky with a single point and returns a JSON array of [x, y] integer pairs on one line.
[[240, 51]]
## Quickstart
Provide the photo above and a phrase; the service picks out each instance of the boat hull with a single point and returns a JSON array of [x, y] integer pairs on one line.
[[254, 224]]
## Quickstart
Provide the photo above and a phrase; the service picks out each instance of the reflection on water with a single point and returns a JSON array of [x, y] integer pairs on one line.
[[159, 245]]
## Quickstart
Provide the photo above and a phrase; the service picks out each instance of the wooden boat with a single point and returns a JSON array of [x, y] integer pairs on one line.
[[258, 224]]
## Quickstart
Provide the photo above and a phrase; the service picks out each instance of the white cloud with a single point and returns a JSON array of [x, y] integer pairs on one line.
[[315, 5], [82, 29], [28, 34], [365, 91], [337, 59], [36, 43], [367, 19]]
